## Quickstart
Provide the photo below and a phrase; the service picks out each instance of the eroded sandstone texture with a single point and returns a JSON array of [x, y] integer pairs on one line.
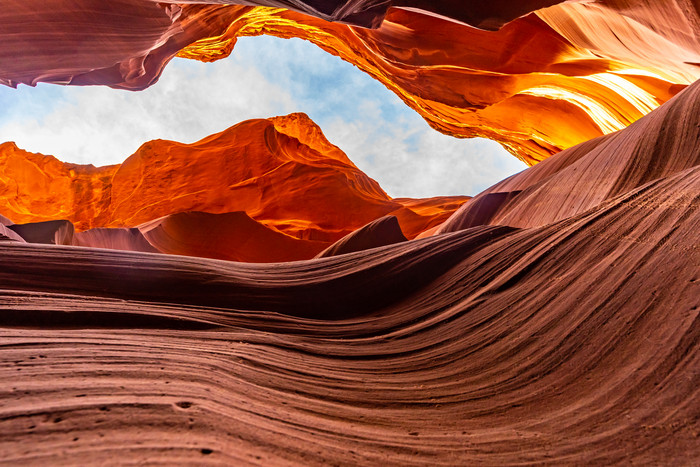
[[552, 319], [574, 342]]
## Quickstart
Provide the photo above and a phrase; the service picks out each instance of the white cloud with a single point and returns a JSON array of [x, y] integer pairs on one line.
[[102, 126], [264, 77], [416, 161]]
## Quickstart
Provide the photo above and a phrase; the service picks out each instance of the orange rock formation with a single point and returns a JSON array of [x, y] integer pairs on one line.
[[232, 236], [533, 87], [583, 177], [542, 83], [552, 319], [279, 179]]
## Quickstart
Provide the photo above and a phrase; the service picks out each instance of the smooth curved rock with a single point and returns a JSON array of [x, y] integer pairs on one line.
[[568, 334], [36, 188], [57, 232], [383, 231], [480, 211], [114, 239], [121, 43], [231, 236], [533, 88], [661, 144], [543, 82], [5, 221], [480, 338], [7, 234]]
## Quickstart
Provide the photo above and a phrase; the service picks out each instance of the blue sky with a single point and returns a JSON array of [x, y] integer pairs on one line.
[[264, 77]]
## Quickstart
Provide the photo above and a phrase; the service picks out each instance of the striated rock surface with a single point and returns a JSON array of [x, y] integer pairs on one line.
[[264, 190], [572, 340], [263, 167], [58, 232], [5, 221], [661, 144], [552, 319], [544, 82], [529, 86], [565, 344], [7, 234], [421, 214], [114, 239], [36, 188], [231, 236]]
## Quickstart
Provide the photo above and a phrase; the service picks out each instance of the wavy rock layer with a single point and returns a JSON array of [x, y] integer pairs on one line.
[[572, 340], [7, 234], [661, 144], [561, 344], [533, 87], [231, 236], [114, 239], [565, 332], [58, 232], [281, 171], [544, 82]]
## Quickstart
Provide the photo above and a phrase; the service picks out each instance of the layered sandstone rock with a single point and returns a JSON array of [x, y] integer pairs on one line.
[[665, 142], [543, 82], [127, 239], [531, 87], [553, 319], [232, 236], [573, 342], [383, 231]]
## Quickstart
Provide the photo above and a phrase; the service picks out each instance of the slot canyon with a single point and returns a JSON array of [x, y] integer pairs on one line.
[[255, 298]]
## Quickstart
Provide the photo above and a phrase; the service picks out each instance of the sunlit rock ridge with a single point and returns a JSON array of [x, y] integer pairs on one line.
[[282, 190], [545, 81], [253, 298]]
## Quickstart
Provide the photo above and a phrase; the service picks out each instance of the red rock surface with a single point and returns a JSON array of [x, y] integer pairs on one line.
[[7, 234], [263, 167], [661, 144], [114, 239], [232, 236], [58, 232], [566, 343], [383, 231], [552, 319]]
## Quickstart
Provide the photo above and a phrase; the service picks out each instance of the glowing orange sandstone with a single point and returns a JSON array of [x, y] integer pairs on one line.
[[543, 82], [281, 172], [579, 179]]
